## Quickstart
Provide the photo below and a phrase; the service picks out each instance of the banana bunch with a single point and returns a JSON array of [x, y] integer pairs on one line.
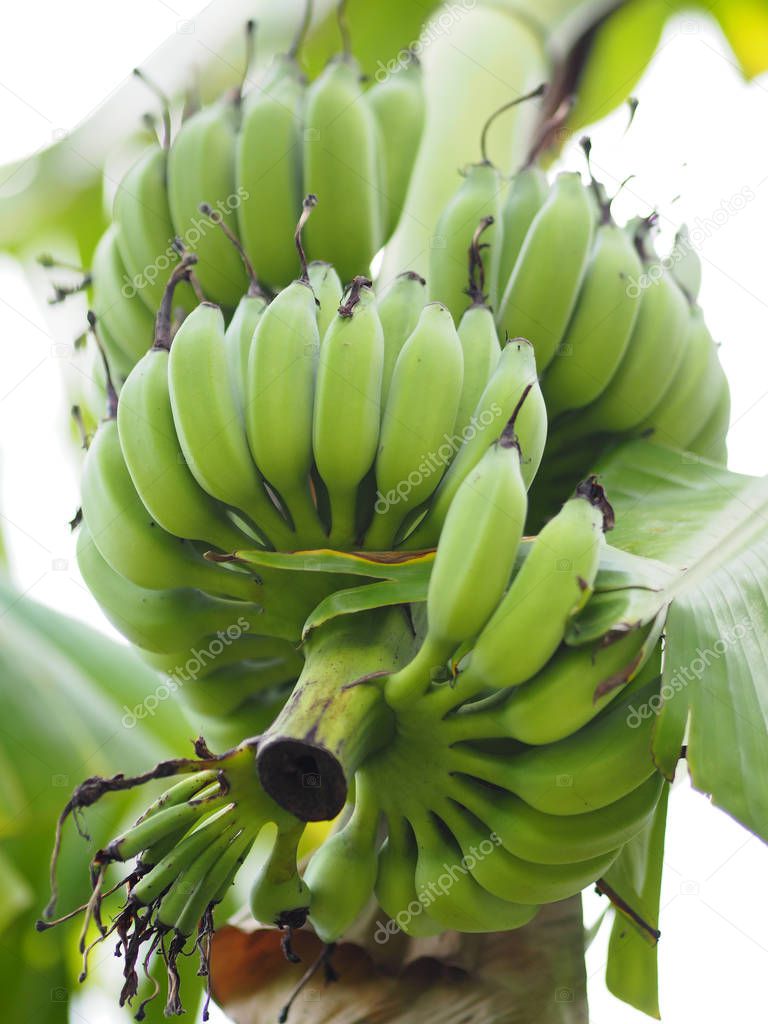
[[250, 157]]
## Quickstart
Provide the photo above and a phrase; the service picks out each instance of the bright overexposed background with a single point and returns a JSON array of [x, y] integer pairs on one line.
[[697, 144]]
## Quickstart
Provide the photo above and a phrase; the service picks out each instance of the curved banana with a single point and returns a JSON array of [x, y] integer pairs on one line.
[[526, 195], [341, 167], [342, 872], [279, 402], [556, 838], [396, 882], [710, 442], [279, 896], [554, 582], [345, 429], [398, 105], [238, 339], [541, 293], [477, 199], [326, 284], [209, 425], [121, 314], [481, 351], [515, 372], [508, 877], [413, 432], [224, 691], [399, 309], [201, 169], [268, 169], [656, 348], [475, 555], [145, 232], [450, 895], [601, 328], [593, 768]]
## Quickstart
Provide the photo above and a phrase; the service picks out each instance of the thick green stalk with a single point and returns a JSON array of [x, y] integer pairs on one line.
[[336, 716]]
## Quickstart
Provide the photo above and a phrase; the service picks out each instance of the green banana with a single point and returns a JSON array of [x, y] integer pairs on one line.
[[180, 792], [398, 106], [656, 349], [556, 838], [268, 169], [223, 691], [481, 351], [515, 372], [201, 169], [395, 883], [554, 582], [187, 883], [132, 542], [213, 887], [525, 196], [593, 768], [475, 556], [601, 329], [238, 339], [710, 442], [279, 896], [279, 401], [209, 426], [450, 894], [477, 199], [342, 872], [541, 293], [125, 321], [508, 877], [345, 428], [164, 822], [399, 309], [341, 167], [144, 231], [326, 284], [413, 431]]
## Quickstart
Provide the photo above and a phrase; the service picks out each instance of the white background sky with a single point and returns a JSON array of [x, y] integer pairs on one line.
[[700, 133]]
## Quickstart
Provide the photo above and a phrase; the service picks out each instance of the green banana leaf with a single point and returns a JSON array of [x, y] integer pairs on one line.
[[704, 531]]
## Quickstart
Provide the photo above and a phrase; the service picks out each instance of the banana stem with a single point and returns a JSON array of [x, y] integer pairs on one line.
[[412, 682], [336, 716]]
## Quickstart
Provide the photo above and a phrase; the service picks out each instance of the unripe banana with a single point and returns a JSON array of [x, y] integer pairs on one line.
[[526, 195], [508, 877], [413, 430], [710, 442], [693, 391], [515, 371], [396, 885], [341, 167], [223, 691], [268, 169], [201, 169], [342, 873], [601, 328], [481, 351], [121, 314], [450, 894], [238, 339], [399, 309], [132, 542], [591, 769], [279, 896], [345, 429], [555, 838], [474, 559], [650, 361], [398, 105], [154, 458], [541, 293], [279, 401], [326, 284], [145, 232], [155, 620], [208, 423], [214, 886], [554, 582], [170, 913]]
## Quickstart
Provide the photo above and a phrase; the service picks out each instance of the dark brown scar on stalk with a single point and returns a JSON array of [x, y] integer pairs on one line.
[[476, 287], [508, 437], [181, 272], [110, 387], [310, 202], [347, 308], [594, 492], [604, 889], [324, 961]]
